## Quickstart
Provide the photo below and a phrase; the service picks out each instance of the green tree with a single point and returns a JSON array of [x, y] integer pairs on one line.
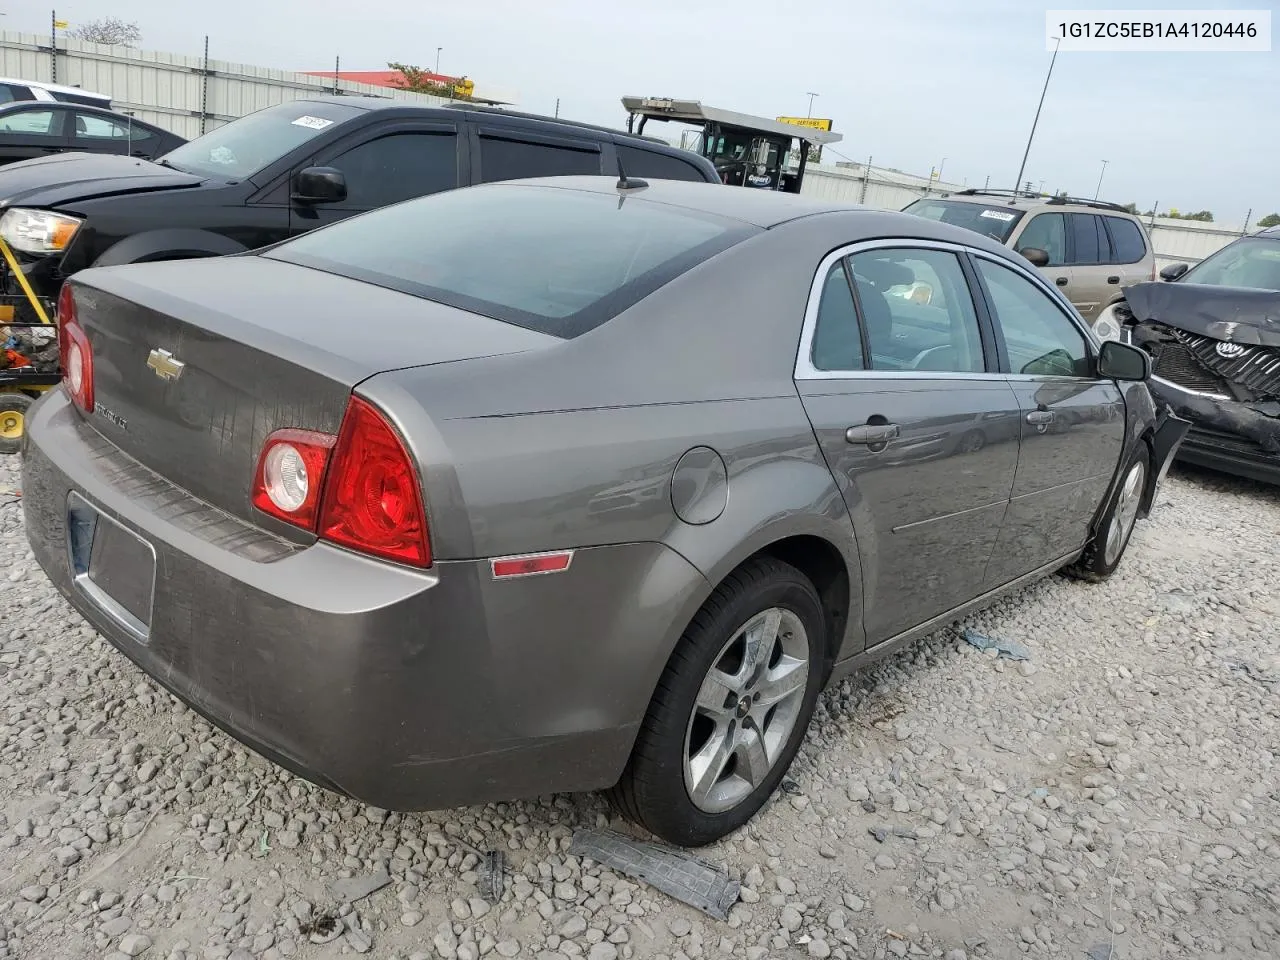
[[1132, 208], [1270, 220], [419, 80]]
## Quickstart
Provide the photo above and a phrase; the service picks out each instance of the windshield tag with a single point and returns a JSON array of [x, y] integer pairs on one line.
[[315, 123], [997, 215]]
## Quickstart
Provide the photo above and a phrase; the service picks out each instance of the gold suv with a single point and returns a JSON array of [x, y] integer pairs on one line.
[[1089, 248]]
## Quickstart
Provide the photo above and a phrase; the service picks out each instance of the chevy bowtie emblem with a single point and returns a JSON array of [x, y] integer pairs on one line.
[[165, 365]]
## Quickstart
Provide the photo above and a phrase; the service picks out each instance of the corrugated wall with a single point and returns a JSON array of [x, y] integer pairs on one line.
[[170, 90]]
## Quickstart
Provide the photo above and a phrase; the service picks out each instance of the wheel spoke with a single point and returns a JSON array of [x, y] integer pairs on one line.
[[753, 757], [717, 694], [760, 642], [708, 764], [788, 678]]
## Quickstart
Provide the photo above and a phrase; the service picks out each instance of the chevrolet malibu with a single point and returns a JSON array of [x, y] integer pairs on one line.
[[571, 484]]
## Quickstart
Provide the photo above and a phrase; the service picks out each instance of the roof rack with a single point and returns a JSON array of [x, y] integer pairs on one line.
[[1097, 204], [984, 192]]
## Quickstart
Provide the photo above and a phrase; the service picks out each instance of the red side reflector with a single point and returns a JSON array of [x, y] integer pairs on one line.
[[531, 564]]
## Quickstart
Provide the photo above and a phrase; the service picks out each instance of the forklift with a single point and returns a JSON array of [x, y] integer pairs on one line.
[[747, 151]]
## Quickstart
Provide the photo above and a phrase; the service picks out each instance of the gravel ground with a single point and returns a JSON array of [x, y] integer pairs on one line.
[[1115, 796]]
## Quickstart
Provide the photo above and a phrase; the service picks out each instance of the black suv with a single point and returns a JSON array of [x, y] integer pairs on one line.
[[288, 169]]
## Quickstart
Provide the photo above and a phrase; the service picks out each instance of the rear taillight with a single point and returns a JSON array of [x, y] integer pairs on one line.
[[290, 475], [372, 501], [74, 353], [359, 489]]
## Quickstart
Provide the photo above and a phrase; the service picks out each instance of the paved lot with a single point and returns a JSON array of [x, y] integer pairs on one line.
[[1117, 795]]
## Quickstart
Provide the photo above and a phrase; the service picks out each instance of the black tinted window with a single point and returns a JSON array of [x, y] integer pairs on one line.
[[1084, 230], [516, 159], [11, 94], [639, 162], [95, 128], [398, 167], [556, 261], [1127, 238]]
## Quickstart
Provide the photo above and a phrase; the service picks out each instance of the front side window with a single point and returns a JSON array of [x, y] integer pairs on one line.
[[1250, 262], [1039, 337], [556, 261], [1048, 232], [502, 159], [245, 146], [398, 167], [918, 310]]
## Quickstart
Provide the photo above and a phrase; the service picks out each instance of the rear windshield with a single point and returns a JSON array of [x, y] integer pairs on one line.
[[994, 221], [242, 147], [558, 261]]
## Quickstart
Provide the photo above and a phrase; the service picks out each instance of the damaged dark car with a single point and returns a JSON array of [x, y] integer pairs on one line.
[[1213, 332]]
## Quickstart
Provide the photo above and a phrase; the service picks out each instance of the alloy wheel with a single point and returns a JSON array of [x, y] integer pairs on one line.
[[746, 710]]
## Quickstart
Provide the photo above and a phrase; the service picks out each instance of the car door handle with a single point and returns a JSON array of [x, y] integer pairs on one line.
[[1113, 279], [1061, 281], [872, 433], [1040, 417]]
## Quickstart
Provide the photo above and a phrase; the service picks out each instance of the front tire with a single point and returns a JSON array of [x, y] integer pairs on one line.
[[731, 708], [1105, 550]]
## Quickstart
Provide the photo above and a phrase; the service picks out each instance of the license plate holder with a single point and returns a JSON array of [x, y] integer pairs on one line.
[[113, 567]]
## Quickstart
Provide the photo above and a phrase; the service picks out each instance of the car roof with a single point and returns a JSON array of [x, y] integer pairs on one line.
[[1020, 201], [481, 111], [770, 208], [54, 87], [1271, 233]]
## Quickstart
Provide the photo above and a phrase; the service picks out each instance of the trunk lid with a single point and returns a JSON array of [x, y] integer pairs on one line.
[[262, 345], [70, 177]]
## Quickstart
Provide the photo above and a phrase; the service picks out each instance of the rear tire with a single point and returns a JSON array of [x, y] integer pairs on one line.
[[13, 421], [731, 708], [1103, 554]]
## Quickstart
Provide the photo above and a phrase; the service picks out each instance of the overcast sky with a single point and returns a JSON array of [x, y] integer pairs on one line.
[[907, 82]]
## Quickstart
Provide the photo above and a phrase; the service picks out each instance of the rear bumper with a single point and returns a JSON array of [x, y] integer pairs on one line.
[[405, 689], [1227, 435]]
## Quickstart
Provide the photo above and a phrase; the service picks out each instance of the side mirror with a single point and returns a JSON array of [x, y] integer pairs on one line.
[[1037, 256], [1123, 361], [319, 185], [1173, 271]]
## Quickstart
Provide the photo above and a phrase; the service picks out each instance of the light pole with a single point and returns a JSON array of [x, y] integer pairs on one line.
[[810, 96], [1031, 136], [940, 166], [1100, 176], [438, 49]]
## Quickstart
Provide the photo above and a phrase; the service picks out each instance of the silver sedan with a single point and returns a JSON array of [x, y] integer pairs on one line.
[[571, 484]]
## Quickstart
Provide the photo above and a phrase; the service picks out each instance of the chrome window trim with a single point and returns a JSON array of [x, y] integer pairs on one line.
[[805, 371]]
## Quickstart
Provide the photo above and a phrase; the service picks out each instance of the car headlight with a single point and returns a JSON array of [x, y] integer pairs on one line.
[[41, 232], [1107, 326]]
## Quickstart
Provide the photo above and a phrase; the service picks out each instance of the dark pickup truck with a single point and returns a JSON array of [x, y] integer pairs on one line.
[[288, 169]]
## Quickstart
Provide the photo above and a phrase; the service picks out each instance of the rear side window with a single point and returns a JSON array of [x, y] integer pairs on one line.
[[556, 261], [1084, 230], [504, 159], [9, 93], [1126, 237], [639, 162]]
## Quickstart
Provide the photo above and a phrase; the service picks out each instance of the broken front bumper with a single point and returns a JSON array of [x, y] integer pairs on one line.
[[1228, 435]]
